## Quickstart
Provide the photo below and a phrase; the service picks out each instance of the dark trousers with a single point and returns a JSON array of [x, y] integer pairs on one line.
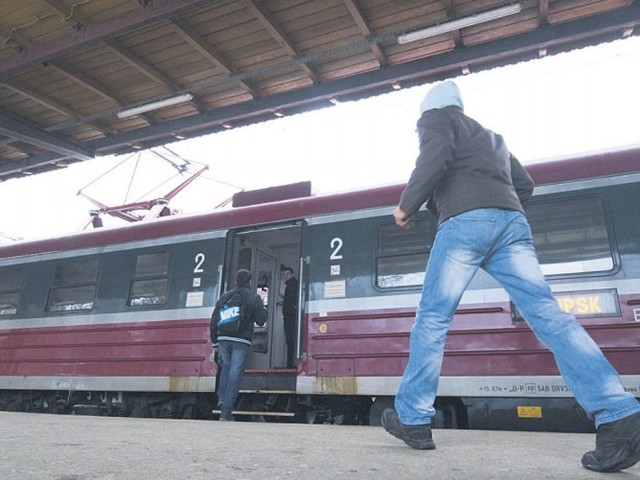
[[290, 338]]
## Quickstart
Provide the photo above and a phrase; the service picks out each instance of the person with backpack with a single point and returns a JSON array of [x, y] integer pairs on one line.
[[231, 326]]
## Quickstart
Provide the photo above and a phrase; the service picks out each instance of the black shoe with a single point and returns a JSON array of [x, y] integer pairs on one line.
[[617, 446], [416, 436], [227, 417]]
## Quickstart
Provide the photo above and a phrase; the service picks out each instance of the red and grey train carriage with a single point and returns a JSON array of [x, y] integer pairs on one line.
[[116, 321]]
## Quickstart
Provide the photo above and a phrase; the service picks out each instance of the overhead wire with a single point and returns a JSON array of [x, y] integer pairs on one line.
[[75, 4], [15, 28], [203, 164], [107, 172], [133, 175], [182, 169]]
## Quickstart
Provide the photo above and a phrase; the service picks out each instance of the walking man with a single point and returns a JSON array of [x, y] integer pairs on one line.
[[477, 190], [231, 332]]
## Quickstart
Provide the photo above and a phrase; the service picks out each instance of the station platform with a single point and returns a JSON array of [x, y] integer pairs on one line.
[[67, 447]]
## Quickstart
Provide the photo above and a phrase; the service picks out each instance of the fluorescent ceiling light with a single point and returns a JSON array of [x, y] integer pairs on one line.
[[167, 102], [460, 23]]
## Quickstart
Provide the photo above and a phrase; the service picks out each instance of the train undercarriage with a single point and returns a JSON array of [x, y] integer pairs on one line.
[[250, 406], [560, 414]]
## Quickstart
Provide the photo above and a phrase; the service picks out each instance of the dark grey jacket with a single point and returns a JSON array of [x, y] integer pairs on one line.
[[463, 166]]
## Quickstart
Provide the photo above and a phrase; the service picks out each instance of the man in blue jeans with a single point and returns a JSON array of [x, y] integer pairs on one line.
[[477, 190], [231, 332]]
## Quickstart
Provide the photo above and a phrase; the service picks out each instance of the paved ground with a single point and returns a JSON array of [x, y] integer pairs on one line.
[[64, 447]]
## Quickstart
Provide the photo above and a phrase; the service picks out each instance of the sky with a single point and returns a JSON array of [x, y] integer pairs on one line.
[[576, 102]]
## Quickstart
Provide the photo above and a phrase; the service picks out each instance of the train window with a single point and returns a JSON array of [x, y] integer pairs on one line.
[[152, 264], [10, 280], [10, 285], [148, 292], [71, 298], [9, 303], [245, 257], [403, 253], [74, 286], [571, 236], [149, 286]]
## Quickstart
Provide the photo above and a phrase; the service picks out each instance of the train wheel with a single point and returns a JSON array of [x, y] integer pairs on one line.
[[380, 404]]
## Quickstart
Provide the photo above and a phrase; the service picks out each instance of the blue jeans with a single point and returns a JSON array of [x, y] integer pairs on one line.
[[499, 242], [234, 356]]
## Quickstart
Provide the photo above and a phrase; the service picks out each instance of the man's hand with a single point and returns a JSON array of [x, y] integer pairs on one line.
[[402, 219]]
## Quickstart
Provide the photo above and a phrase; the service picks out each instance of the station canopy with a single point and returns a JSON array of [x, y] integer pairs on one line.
[[87, 78]]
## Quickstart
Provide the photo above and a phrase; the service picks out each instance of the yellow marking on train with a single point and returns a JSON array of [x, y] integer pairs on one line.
[[598, 303], [529, 412], [581, 304]]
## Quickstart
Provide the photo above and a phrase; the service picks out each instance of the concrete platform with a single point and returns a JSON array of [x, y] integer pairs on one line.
[[63, 447]]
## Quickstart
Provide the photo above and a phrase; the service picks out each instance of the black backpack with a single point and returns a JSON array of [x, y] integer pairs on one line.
[[232, 313]]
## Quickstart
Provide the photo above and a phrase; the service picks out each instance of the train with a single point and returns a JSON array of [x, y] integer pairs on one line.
[[115, 321]]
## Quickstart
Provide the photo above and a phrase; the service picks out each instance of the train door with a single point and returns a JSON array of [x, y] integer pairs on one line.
[[265, 253], [263, 265]]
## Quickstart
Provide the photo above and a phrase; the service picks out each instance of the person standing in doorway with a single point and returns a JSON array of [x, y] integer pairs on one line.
[[231, 326], [477, 191], [290, 312]]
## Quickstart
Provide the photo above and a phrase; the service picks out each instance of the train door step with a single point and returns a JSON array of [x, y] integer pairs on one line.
[[257, 413]]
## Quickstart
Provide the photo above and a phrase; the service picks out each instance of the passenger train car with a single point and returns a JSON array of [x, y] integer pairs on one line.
[[115, 321]]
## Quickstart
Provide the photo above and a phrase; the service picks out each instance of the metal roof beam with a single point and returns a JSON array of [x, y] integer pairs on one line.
[[50, 103], [87, 82], [95, 86], [14, 167], [93, 34], [19, 129], [207, 51], [40, 98], [148, 71], [279, 34], [363, 25]]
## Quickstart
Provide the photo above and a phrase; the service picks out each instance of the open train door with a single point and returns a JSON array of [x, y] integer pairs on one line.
[[265, 252], [265, 274], [263, 265]]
